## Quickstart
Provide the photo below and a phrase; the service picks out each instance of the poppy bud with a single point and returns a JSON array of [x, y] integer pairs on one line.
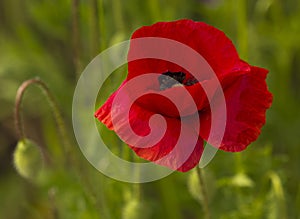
[[28, 159], [135, 209]]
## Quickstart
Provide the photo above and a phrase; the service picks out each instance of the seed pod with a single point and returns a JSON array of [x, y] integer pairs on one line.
[[28, 159]]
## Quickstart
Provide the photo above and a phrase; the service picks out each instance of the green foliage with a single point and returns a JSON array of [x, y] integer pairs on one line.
[[135, 209], [36, 39]]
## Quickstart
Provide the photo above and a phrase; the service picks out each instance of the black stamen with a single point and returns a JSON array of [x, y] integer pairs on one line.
[[191, 81], [171, 79]]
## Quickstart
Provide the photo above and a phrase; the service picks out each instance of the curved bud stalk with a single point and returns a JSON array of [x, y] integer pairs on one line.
[[27, 146]]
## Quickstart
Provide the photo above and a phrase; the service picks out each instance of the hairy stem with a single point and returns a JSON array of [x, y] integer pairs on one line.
[[76, 37], [53, 105], [204, 193], [96, 27]]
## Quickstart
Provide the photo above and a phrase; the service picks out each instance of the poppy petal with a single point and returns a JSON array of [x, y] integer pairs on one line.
[[247, 99], [183, 157], [216, 48], [192, 99]]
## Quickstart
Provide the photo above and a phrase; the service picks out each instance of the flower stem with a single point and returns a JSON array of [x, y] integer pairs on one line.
[[54, 106], [242, 27], [204, 193], [118, 17], [102, 28], [52, 200], [96, 27], [76, 37], [137, 185]]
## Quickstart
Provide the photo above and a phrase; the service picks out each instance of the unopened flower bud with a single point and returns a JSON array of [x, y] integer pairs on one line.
[[28, 159]]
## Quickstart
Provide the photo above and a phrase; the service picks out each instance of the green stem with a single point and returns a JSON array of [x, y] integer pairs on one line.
[[18, 118], [52, 200], [204, 193], [53, 105], [137, 186], [102, 25], [242, 27], [95, 27], [240, 9], [76, 37], [118, 17]]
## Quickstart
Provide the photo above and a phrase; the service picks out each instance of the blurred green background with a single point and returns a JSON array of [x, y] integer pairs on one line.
[[55, 39]]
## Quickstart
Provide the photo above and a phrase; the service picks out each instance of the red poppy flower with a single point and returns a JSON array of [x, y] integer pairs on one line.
[[245, 91]]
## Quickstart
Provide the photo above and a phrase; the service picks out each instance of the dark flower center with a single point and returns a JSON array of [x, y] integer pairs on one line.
[[171, 79]]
